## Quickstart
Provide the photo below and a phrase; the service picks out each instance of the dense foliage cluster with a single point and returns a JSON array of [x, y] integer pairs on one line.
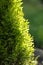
[[16, 46]]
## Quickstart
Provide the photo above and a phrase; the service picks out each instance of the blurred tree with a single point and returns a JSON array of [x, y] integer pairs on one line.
[[42, 1]]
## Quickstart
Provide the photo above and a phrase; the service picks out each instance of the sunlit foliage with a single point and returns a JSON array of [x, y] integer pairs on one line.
[[16, 45]]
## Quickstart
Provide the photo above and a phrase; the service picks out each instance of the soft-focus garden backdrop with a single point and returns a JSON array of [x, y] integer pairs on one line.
[[33, 10]]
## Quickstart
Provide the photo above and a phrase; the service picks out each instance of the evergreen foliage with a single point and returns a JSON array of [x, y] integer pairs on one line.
[[16, 45]]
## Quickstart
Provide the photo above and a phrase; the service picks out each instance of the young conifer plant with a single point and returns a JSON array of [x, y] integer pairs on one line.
[[16, 44]]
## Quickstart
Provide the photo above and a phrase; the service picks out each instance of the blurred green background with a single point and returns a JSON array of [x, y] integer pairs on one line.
[[33, 10]]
